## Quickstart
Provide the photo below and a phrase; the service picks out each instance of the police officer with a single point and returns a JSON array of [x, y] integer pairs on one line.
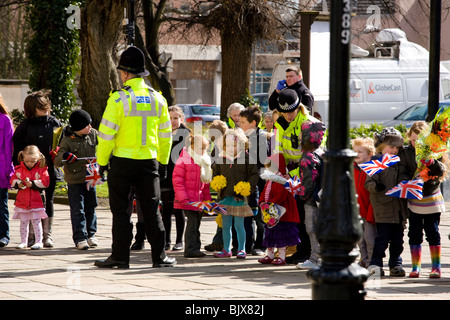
[[287, 142], [134, 135]]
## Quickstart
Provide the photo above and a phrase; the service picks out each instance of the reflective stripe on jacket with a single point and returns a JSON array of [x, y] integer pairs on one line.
[[135, 125], [283, 143]]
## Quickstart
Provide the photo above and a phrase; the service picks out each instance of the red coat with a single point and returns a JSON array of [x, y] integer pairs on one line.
[[365, 208], [279, 195], [30, 198], [187, 184]]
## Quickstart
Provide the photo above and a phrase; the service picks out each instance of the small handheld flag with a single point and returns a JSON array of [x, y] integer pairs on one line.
[[376, 166], [408, 189], [93, 176]]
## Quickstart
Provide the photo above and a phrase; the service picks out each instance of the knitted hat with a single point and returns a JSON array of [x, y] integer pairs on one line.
[[79, 119], [389, 136], [132, 60], [288, 100], [312, 134]]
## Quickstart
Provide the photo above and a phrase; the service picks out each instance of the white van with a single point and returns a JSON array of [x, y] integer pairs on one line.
[[381, 86]]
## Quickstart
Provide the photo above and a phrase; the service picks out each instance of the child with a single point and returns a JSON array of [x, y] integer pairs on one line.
[[79, 141], [30, 177], [285, 233], [6, 170], [191, 178], [390, 219], [38, 129], [424, 215], [216, 130], [249, 119], [365, 149], [179, 136], [310, 175], [233, 163]]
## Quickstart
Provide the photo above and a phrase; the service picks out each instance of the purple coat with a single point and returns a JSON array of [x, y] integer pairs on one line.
[[6, 150]]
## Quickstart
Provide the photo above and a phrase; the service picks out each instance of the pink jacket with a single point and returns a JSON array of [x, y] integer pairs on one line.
[[187, 184]]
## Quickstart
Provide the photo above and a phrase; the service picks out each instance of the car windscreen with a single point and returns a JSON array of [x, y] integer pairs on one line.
[[205, 110], [416, 112]]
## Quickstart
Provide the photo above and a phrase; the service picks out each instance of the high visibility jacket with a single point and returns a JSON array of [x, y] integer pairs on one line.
[[135, 125], [287, 131]]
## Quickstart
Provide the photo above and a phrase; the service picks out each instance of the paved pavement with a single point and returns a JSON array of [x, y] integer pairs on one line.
[[65, 273]]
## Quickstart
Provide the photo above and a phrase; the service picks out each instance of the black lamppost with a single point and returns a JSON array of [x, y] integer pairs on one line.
[[338, 227]]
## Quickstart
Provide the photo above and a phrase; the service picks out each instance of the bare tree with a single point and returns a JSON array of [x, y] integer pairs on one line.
[[238, 24], [100, 33], [148, 40]]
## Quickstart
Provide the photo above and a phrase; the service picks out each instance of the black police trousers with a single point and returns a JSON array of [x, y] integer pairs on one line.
[[144, 177]]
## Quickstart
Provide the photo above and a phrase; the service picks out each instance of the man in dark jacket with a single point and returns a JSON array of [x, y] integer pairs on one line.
[[293, 81]]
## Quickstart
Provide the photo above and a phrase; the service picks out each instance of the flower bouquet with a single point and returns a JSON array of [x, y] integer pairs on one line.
[[432, 143], [271, 213], [218, 183]]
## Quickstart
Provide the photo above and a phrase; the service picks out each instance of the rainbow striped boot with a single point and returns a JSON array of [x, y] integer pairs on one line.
[[435, 252], [416, 254]]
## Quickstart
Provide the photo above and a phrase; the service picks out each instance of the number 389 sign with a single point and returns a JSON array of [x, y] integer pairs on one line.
[[346, 22]]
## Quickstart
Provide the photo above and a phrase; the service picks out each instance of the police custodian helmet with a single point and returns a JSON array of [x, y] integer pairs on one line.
[[132, 60]]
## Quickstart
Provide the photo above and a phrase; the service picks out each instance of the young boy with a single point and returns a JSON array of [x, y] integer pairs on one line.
[[390, 219], [249, 119], [79, 141], [365, 149]]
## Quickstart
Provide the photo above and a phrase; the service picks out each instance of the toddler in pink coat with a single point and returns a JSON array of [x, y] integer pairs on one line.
[[30, 177], [191, 177]]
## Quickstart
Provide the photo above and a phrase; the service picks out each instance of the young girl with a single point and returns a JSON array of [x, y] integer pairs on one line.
[[30, 177], [179, 136], [6, 170], [390, 219], [38, 129], [191, 178], [310, 174], [234, 165], [424, 214], [285, 233], [365, 149]]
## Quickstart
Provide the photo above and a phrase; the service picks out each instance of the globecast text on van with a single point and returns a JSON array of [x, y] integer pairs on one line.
[[383, 87]]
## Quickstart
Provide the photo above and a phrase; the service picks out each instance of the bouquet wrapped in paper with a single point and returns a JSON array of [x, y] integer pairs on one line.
[[271, 213], [432, 143]]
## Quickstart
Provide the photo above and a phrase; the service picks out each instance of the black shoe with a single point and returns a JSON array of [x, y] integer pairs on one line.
[[167, 262], [110, 263], [198, 254], [296, 258], [214, 247], [137, 245]]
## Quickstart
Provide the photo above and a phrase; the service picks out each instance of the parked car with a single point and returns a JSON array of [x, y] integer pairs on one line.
[[263, 100], [417, 112], [206, 113]]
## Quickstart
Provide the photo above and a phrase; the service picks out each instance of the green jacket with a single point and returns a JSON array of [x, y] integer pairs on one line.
[[82, 147]]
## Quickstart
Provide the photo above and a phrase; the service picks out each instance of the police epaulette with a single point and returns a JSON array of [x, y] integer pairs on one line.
[[124, 88]]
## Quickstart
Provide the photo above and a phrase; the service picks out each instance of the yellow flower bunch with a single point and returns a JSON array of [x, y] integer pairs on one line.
[[218, 183], [242, 188]]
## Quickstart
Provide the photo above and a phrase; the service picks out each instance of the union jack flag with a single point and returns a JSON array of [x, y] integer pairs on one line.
[[93, 176], [209, 207], [294, 186], [408, 189], [375, 166], [202, 205]]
